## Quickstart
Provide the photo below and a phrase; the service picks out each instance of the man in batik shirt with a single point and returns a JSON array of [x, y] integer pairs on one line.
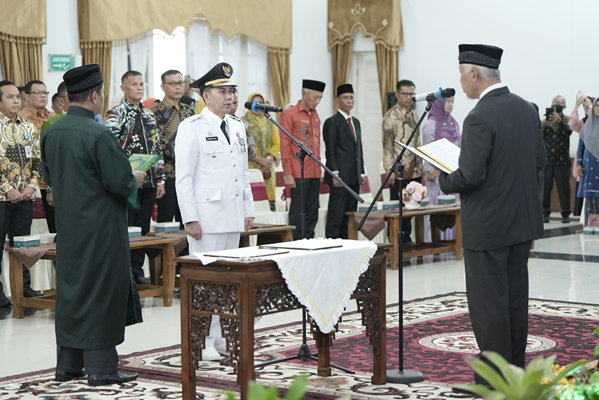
[[135, 128], [398, 124]]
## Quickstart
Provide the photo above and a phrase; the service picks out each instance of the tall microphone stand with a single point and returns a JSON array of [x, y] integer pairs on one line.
[[401, 375], [305, 353]]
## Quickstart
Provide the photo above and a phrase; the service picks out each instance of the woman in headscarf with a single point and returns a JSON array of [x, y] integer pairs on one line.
[[440, 124], [587, 165], [264, 146]]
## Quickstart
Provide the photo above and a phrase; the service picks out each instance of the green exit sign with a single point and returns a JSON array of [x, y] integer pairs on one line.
[[61, 62]]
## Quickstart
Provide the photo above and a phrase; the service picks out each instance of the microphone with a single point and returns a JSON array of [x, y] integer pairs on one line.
[[432, 96], [257, 107]]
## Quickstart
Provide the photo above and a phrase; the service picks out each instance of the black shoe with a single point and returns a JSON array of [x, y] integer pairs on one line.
[[545, 219], [28, 292], [4, 302], [142, 281], [464, 391], [64, 376], [565, 220], [408, 242], [110, 379]]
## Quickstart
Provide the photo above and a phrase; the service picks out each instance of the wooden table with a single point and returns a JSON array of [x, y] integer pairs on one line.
[[49, 302], [419, 248], [238, 291]]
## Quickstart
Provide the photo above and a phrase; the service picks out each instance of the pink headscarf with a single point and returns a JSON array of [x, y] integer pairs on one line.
[[447, 126]]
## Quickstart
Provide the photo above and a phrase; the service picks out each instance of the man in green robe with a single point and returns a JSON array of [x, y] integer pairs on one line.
[[93, 184]]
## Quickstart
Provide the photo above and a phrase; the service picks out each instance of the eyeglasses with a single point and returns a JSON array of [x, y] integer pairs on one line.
[[40, 92], [407, 94], [173, 84]]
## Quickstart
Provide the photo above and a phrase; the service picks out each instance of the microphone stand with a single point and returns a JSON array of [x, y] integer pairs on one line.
[[401, 375], [305, 353]]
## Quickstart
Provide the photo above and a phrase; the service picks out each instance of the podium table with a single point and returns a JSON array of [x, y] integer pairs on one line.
[[240, 290]]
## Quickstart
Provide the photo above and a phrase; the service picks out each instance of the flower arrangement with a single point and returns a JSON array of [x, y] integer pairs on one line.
[[413, 194]]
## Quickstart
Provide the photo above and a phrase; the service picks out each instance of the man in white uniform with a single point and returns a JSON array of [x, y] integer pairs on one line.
[[212, 179]]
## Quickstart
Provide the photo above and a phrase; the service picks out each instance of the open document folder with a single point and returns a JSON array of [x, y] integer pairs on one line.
[[441, 153]]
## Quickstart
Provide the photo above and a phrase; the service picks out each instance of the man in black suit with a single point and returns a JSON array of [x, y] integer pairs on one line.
[[502, 150], [343, 141]]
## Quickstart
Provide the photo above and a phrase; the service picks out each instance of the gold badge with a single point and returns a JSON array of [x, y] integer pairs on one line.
[[238, 135], [209, 133], [227, 71]]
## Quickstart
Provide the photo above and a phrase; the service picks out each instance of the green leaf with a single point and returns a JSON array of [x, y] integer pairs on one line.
[[477, 389], [271, 393], [596, 331], [492, 376], [596, 350], [298, 387], [515, 378], [496, 359], [230, 395], [568, 371], [256, 391]]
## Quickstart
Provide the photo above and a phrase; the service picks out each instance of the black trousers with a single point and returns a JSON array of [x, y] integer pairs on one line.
[[168, 206], [15, 220], [95, 362], [561, 174], [147, 197], [340, 203], [406, 223], [49, 210], [497, 291], [311, 194]]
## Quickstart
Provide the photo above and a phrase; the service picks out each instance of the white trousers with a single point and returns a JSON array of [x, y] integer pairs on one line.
[[214, 242]]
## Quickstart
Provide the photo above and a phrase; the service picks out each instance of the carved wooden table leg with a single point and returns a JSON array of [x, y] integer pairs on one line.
[[16, 285], [352, 232], [188, 373], [458, 235], [393, 239], [323, 344], [246, 298], [168, 274]]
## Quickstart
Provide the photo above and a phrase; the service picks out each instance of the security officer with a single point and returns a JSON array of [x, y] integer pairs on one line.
[[212, 178]]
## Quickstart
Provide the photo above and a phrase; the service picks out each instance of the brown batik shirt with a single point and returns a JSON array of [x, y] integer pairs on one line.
[[397, 125], [168, 120]]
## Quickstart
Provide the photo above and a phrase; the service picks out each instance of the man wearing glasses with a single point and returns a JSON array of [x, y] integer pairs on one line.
[[169, 113], [37, 97], [398, 124]]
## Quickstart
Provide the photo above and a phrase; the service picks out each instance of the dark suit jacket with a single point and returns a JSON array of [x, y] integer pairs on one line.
[[343, 152], [502, 150]]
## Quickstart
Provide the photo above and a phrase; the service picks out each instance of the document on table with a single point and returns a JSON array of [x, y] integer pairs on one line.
[[441, 153], [304, 244], [245, 252]]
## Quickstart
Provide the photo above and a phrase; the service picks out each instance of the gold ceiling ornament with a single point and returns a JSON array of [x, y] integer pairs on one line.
[[379, 21]]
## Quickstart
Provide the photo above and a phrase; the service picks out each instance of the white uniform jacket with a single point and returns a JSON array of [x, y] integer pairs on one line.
[[212, 176]]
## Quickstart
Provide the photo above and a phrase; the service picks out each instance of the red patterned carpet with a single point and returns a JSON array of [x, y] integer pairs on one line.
[[437, 337]]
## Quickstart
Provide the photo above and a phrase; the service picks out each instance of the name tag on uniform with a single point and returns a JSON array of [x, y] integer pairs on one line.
[[28, 151], [211, 138]]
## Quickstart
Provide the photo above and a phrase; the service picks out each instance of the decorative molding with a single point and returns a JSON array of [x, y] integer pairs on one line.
[[358, 10]]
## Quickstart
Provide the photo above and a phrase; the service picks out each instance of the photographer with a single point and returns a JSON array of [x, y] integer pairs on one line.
[[556, 134]]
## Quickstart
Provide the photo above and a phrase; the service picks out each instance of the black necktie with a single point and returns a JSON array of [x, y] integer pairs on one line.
[[223, 127]]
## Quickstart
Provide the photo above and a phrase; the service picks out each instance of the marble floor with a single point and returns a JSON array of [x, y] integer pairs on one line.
[[562, 266]]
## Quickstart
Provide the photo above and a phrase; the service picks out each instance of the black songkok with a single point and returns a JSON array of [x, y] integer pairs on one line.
[[80, 79], [313, 85], [480, 54], [345, 88]]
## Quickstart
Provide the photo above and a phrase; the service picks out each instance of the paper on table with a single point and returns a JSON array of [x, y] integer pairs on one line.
[[304, 244], [443, 151], [243, 252], [425, 157]]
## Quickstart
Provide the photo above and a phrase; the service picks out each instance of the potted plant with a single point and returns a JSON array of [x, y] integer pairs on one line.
[[413, 195]]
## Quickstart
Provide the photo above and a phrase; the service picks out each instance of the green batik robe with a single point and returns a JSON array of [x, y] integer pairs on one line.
[[93, 185]]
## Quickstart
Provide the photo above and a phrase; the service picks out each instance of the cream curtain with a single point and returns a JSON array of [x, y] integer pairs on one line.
[[386, 62], [278, 64], [341, 54], [100, 53], [21, 59]]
